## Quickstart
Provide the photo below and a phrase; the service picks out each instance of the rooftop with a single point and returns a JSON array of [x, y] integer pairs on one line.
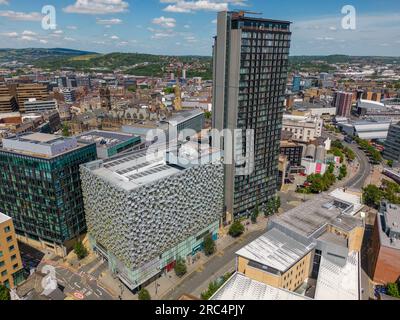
[[4, 218], [389, 225], [311, 216], [276, 250], [338, 283], [40, 145], [105, 139], [240, 287]]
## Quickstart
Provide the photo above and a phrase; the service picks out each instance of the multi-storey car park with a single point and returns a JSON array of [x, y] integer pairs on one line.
[[143, 214]]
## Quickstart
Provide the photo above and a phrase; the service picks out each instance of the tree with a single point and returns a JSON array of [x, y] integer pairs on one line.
[[65, 130], [372, 196], [180, 267], [277, 203], [4, 293], [390, 163], [236, 229], [393, 290], [342, 172], [209, 245], [207, 114], [144, 294], [80, 250], [255, 214]]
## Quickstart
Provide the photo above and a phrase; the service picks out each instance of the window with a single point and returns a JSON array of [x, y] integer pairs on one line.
[[11, 248], [9, 239], [4, 273], [15, 266], [13, 257], [1, 263], [1, 254], [7, 229]]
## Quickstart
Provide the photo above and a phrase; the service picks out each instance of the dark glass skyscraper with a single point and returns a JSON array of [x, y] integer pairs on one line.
[[250, 75], [40, 188]]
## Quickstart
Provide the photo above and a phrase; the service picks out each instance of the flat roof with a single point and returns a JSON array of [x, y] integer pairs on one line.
[[105, 139], [389, 219], [4, 218], [338, 283], [314, 214], [133, 169], [276, 250], [240, 287]]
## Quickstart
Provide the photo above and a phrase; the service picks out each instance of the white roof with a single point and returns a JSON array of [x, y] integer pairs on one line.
[[275, 249], [338, 283], [4, 218], [240, 287], [350, 197]]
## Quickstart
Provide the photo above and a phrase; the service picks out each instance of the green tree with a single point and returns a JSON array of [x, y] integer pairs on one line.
[[214, 286], [180, 267], [342, 172], [4, 293], [277, 203], [255, 214], [144, 294], [236, 229], [393, 290], [270, 209], [169, 90], [80, 250], [207, 114], [209, 245], [65, 130], [372, 196], [390, 163]]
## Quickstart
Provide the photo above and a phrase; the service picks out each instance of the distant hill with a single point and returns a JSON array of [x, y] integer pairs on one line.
[[156, 65], [30, 55]]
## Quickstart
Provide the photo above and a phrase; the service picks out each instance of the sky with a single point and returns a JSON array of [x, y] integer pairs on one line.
[[187, 27]]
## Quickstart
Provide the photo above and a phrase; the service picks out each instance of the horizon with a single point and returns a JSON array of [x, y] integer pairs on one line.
[[191, 55]]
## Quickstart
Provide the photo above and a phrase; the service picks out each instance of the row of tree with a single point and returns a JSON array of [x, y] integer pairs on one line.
[[374, 154], [373, 195]]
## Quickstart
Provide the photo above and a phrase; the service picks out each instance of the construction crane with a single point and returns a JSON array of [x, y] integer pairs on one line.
[[241, 13]]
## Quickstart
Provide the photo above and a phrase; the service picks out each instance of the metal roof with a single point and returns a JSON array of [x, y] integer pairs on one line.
[[240, 287], [275, 250]]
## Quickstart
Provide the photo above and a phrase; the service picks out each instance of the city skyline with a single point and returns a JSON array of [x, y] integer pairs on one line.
[[175, 27]]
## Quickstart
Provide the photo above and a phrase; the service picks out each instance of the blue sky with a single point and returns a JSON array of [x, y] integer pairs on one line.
[[187, 26]]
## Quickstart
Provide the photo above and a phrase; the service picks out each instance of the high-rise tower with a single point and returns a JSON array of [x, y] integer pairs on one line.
[[250, 74]]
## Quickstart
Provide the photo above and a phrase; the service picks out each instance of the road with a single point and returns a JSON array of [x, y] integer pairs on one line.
[[79, 285], [358, 181], [214, 268]]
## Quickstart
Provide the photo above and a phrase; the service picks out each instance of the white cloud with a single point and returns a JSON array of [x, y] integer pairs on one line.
[[97, 7], [29, 33], [114, 37], [23, 16], [28, 38], [186, 26], [165, 22], [72, 27], [3, 2], [69, 39], [43, 41], [214, 21], [189, 6], [10, 34], [109, 21]]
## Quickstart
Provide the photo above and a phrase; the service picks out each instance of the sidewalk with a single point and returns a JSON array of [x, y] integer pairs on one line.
[[159, 288]]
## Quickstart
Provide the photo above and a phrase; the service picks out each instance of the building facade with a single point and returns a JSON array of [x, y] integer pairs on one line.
[[392, 143], [40, 188], [11, 268], [343, 102], [250, 75], [143, 215], [33, 105], [385, 260]]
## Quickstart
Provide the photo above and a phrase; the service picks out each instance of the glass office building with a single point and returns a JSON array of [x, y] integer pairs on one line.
[[250, 75], [40, 188]]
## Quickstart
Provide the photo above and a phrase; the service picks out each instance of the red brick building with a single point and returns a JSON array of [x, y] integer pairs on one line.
[[385, 262]]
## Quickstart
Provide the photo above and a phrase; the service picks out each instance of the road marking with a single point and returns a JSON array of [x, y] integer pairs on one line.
[[77, 285]]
